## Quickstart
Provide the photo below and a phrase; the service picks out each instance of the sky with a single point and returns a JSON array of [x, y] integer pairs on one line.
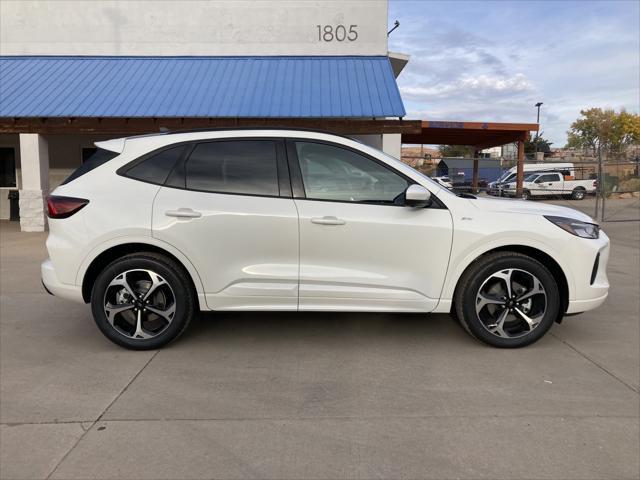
[[493, 60]]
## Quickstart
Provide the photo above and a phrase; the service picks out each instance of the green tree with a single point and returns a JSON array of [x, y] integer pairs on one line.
[[455, 151], [604, 130], [543, 145]]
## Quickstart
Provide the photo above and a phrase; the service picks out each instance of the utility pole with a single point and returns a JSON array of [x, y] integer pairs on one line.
[[538, 105]]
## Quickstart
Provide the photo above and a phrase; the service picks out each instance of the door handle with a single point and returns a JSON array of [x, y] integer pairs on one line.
[[328, 221], [183, 213]]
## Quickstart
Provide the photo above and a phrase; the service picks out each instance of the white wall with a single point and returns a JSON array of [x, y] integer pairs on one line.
[[190, 27]]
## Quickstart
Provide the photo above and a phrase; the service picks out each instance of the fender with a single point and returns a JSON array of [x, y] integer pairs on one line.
[[462, 259], [122, 240]]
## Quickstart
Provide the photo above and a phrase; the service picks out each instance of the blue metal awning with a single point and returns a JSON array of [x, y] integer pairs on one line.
[[292, 87]]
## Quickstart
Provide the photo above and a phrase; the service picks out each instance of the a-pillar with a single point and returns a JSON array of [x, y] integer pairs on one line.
[[34, 165]]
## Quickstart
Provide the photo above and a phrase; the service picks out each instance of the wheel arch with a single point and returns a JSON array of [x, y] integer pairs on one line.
[[547, 260], [111, 252]]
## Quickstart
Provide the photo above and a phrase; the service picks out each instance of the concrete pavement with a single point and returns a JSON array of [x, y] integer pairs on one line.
[[266, 395]]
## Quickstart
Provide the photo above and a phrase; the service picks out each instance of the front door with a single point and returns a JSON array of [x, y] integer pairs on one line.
[[230, 212], [360, 248]]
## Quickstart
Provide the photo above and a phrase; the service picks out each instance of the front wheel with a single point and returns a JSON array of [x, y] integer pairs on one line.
[[526, 195], [507, 300], [142, 301]]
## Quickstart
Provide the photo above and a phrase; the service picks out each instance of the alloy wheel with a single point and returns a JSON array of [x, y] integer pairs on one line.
[[139, 304], [511, 303]]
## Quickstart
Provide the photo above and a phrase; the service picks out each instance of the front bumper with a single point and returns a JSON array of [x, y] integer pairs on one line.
[[591, 287], [53, 286]]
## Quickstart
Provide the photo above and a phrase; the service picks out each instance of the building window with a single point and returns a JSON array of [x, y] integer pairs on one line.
[[87, 152], [7, 167]]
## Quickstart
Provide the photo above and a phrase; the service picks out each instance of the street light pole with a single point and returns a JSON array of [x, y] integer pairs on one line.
[[538, 105]]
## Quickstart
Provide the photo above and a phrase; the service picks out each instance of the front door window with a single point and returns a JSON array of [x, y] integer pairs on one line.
[[337, 174]]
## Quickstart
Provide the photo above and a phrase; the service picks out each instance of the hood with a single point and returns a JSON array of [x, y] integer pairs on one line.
[[527, 207]]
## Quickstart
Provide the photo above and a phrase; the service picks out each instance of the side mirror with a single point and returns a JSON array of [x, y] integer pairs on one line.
[[417, 196]]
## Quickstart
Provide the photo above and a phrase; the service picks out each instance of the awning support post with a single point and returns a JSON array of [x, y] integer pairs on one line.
[[474, 181], [520, 169]]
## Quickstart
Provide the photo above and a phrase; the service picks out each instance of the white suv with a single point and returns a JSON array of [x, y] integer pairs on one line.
[[155, 228]]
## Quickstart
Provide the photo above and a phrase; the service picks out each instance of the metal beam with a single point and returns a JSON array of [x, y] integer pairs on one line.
[[131, 126]]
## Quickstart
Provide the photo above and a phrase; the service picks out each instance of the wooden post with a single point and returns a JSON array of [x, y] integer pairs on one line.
[[474, 180], [520, 171]]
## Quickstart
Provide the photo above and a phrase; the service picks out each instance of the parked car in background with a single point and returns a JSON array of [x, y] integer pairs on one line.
[[539, 185], [155, 228], [509, 176], [444, 181]]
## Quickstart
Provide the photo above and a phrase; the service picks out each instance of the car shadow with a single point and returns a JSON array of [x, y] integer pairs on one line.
[[328, 326]]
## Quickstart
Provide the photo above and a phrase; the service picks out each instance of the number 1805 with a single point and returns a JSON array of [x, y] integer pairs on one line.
[[329, 33]]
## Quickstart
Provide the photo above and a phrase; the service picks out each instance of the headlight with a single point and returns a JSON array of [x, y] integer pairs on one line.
[[576, 227]]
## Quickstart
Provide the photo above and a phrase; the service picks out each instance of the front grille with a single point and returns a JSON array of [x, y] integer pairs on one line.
[[594, 272]]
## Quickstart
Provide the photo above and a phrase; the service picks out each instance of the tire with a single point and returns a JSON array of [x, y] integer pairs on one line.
[[487, 275], [526, 195], [120, 289], [578, 194]]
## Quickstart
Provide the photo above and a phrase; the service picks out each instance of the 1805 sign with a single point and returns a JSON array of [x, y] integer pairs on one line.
[[339, 33]]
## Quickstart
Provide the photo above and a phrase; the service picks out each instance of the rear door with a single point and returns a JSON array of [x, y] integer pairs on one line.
[[360, 249], [227, 206]]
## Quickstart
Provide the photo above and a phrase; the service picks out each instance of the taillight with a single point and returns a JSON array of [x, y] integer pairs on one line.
[[595, 183], [64, 207]]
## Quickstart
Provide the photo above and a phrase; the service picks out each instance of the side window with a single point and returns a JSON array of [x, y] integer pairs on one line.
[[334, 173], [243, 167], [549, 177], [156, 168]]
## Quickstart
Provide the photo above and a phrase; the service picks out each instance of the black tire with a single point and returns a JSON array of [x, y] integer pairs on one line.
[[578, 194], [482, 269], [180, 288], [526, 195]]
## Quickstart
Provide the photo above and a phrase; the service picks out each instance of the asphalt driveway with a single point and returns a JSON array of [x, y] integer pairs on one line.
[[272, 395]]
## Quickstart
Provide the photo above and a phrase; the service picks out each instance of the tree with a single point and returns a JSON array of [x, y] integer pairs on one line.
[[455, 151], [604, 130], [542, 143]]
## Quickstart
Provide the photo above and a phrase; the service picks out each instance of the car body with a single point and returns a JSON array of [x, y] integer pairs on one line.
[[497, 187], [549, 184], [293, 220]]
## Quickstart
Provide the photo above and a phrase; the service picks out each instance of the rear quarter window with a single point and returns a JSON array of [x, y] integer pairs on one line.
[[156, 167], [100, 157]]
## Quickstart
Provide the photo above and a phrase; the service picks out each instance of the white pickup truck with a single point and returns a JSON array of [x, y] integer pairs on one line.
[[546, 184]]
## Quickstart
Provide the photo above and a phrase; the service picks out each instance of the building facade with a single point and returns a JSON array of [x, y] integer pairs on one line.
[[69, 69]]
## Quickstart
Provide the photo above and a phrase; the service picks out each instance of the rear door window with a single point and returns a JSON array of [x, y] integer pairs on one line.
[[245, 167]]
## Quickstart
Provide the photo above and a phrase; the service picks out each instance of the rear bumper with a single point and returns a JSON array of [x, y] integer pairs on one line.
[[53, 286]]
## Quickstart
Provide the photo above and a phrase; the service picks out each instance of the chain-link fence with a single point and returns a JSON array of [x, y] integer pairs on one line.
[[607, 190]]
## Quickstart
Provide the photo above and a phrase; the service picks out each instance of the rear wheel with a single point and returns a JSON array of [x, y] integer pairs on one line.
[[578, 193], [142, 301], [507, 300]]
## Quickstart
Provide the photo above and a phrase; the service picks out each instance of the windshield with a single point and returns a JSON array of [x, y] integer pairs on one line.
[[504, 176], [531, 177]]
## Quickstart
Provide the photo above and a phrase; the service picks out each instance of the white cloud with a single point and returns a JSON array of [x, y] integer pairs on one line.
[[468, 85]]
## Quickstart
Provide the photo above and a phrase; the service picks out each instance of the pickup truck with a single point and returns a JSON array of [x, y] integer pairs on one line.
[[552, 184]]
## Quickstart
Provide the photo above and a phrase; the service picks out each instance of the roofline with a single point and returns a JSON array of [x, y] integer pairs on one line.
[[240, 129]]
